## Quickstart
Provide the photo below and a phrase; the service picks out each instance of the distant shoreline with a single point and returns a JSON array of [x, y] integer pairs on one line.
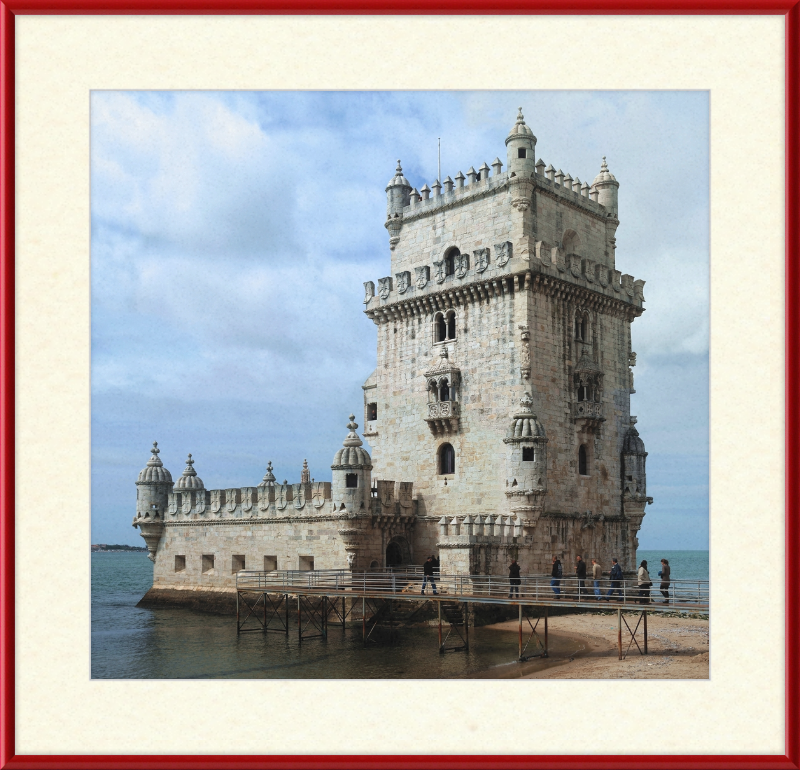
[[119, 550]]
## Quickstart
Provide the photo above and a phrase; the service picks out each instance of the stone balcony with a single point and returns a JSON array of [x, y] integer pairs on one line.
[[442, 416], [588, 414]]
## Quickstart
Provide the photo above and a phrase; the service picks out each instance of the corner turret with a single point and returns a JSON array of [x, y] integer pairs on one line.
[[398, 196], [352, 477], [152, 492], [607, 188], [521, 148]]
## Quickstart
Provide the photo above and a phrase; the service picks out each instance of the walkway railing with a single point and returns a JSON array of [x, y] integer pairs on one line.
[[681, 594]]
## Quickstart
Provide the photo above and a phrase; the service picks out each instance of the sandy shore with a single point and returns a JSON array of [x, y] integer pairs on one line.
[[677, 648]]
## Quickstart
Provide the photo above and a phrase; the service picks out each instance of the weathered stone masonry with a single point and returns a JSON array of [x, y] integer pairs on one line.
[[501, 399]]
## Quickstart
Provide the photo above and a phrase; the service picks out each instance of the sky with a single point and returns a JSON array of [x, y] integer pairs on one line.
[[232, 233]]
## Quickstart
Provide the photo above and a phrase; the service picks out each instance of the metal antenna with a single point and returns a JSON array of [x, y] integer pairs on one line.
[[439, 177]]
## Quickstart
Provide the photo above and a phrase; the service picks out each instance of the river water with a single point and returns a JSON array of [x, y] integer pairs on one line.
[[133, 643]]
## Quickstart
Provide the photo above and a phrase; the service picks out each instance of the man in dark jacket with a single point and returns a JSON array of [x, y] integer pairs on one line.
[[616, 580], [580, 571], [513, 579], [555, 574], [427, 574]]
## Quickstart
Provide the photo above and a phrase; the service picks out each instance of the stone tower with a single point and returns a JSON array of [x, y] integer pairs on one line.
[[153, 488], [504, 306]]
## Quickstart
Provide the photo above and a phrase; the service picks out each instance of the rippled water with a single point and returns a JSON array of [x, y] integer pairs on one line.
[[129, 642], [684, 565]]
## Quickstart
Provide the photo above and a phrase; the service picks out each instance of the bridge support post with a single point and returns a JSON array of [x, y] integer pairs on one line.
[[264, 597], [286, 596], [466, 624], [364, 618], [299, 620], [645, 631], [546, 652], [237, 613], [439, 608], [520, 632], [619, 633]]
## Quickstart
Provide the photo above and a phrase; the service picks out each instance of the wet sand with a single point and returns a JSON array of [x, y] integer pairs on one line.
[[677, 649]]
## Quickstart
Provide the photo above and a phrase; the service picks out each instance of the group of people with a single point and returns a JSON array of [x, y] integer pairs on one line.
[[643, 582]]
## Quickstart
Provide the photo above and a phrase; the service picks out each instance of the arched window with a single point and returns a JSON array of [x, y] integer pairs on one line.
[[451, 325], [441, 327], [571, 243], [582, 393], [581, 328], [447, 460], [582, 464], [450, 261], [444, 391]]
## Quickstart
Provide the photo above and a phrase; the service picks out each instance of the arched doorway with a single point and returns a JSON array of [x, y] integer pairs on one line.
[[398, 552]]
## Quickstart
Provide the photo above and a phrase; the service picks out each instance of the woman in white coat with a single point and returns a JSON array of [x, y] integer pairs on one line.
[[644, 583]]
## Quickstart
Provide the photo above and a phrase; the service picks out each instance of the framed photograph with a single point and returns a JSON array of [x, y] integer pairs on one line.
[[91, 144]]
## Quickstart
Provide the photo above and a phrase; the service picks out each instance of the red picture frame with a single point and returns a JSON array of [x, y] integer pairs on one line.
[[10, 8]]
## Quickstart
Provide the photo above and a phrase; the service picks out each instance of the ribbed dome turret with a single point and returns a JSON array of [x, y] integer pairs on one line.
[[605, 175], [352, 455], [398, 180], [269, 477], [155, 472], [520, 129], [632, 444], [525, 424], [189, 479]]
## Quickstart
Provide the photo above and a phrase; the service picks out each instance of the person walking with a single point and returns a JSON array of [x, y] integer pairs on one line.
[[435, 565], [427, 574], [555, 575], [597, 573], [664, 575], [580, 571], [616, 580], [513, 579], [644, 583]]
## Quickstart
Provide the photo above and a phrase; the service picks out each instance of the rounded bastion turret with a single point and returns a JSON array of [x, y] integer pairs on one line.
[[607, 187], [521, 148], [352, 474], [152, 492]]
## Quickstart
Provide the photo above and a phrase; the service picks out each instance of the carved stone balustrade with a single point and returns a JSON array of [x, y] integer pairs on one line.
[[588, 414], [443, 416]]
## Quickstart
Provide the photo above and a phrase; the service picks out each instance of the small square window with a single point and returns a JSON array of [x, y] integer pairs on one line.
[[270, 563], [307, 563], [521, 152], [208, 563], [372, 411], [527, 454], [351, 480], [237, 563], [180, 563]]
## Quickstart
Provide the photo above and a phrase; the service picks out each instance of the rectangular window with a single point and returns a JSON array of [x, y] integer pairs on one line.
[[180, 563], [372, 411], [521, 152], [307, 563], [351, 480], [208, 563], [237, 563], [270, 563], [527, 454]]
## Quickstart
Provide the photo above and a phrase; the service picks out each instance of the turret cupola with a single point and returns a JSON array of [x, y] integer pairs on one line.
[[607, 187], [521, 148], [189, 479], [269, 477], [526, 463], [398, 192], [152, 498], [634, 482], [352, 478]]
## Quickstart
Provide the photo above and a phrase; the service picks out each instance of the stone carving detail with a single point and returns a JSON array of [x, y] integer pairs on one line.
[[299, 495], [575, 265], [173, 504], [631, 358], [403, 281], [187, 503], [200, 503], [247, 498], [369, 291], [405, 490], [438, 409], [351, 558], [216, 501], [386, 495], [461, 265], [283, 496], [423, 275], [438, 267], [481, 259], [525, 366], [320, 491], [502, 253], [231, 496], [384, 287]]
